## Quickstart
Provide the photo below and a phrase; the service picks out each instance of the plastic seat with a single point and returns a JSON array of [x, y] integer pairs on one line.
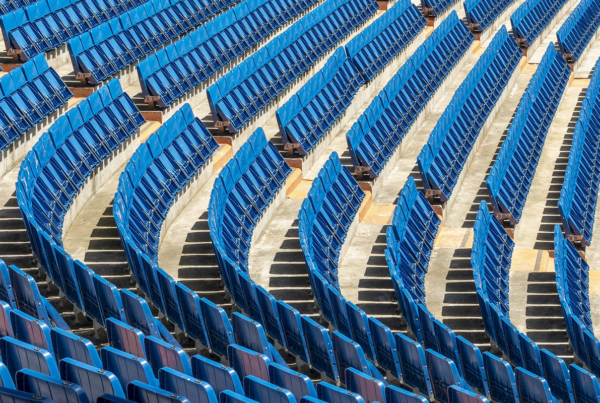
[[142, 393], [443, 373], [263, 391], [320, 348], [298, 384], [330, 393], [179, 383], [93, 380], [125, 337], [127, 367], [68, 345], [17, 355], [413, 364], [501, 379], [220, 377], [161, 354], [532, 387], [247, 362]]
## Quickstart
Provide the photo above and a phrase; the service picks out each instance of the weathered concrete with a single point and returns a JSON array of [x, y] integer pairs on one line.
[[540, 209], [503, 19]]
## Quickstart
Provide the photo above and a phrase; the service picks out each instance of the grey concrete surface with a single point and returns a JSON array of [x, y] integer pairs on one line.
[[541, 201]]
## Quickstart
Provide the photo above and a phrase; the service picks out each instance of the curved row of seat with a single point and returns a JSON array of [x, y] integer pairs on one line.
[[579, 193], [511, 175], [449, 145], [6, 6], [52, 174], [482, 13], [491, 259], [245, 91], [47, 24], [572, 283], [310, 113], [579, 30], [530, 19], [27, 95], [112, 46], [376, 45], [375, 136], [410, 242], [190, 61]]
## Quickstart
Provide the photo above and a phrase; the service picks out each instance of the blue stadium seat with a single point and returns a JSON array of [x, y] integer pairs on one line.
[[270, 315], [218, 328], [68, 345], [179, 383], [191, 313], [291, 327], [371, 389], [17, 355], [6, 380], [94, 380], [532, 387], [250, 334], [320, 348], [413, 364], [532, 360], [298, 384], [247, 362], [161, 354], [233, 397], [43, 385], [501, 379], [333, 394], [585, 384], [456, 394], [142, 393], [125, 337], [30, 330], [394, 394], [263, 391], [386, 353], [109, 300], [10, 395], [557, 375], [127, 367], [443, 373], [471, 362], [348, 354], [219, 376]]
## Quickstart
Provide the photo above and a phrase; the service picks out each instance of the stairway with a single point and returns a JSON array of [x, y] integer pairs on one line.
[[376, 295], [461, 310], [544, 319], [198, 268]]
